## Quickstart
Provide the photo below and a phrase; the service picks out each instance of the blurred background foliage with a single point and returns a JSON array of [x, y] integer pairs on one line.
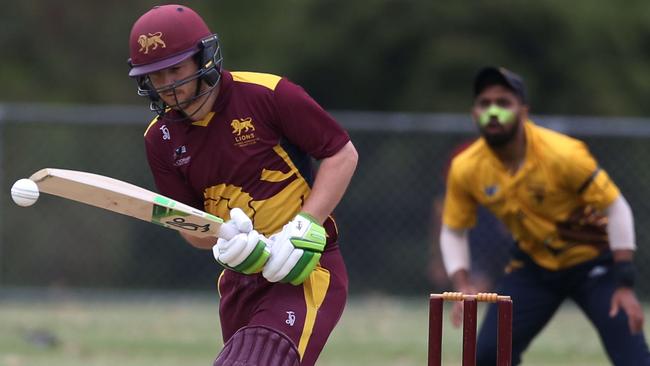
[[578, 57]]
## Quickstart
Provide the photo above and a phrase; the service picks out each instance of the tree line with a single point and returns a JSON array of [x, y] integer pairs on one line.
[[412, 55]]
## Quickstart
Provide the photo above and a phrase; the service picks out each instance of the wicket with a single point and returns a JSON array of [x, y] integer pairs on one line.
[[470, 302]]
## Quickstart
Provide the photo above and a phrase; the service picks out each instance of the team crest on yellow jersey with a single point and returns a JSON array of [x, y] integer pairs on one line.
[[153, 40], [491, 190], [244, 131]]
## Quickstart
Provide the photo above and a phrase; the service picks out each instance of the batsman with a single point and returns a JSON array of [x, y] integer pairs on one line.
[[240, 145], [573, 228]]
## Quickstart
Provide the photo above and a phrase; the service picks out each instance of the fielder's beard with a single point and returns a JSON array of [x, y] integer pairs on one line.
[[496, 140]]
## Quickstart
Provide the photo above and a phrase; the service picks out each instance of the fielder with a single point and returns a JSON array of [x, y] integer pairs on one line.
[[574, 229], [240, 145]]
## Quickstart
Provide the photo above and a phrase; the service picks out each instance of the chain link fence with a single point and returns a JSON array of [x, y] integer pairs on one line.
[[388, 219]]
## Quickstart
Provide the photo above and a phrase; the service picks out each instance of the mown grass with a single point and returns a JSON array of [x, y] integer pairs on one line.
[[155, 330]]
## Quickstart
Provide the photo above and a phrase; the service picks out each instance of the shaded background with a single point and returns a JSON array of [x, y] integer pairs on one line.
[[578, 58], [397, 74]]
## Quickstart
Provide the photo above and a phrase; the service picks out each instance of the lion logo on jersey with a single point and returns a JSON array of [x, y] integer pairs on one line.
[[242, 125], [154, 39]]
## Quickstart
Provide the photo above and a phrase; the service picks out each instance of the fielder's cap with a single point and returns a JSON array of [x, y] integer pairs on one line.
[[491, 75], [163, 37]]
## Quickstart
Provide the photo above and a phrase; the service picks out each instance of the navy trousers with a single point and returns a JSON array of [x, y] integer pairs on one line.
[[537, 294]]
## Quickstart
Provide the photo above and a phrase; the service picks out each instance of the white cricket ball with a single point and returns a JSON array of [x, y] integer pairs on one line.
[[24, 192]]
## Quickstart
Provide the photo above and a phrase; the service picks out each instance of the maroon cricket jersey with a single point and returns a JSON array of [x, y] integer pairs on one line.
[[253, 151]]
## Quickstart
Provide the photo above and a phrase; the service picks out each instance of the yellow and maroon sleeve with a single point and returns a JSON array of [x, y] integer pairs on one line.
[[588, 180], [460, 207], [306, 124]]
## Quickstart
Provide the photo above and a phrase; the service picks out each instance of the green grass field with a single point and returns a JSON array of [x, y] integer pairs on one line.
[[142, 330]]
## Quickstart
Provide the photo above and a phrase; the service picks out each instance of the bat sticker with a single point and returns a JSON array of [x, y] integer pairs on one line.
[[181, 223]]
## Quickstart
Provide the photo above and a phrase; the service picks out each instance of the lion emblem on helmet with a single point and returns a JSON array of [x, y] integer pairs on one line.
[[153, 40]]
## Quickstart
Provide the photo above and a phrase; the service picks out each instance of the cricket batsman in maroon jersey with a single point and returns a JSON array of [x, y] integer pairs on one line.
[[240, 146]]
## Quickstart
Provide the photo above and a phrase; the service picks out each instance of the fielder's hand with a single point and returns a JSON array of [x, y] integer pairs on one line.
[[295, 250], [457, 307], [245, 252], [624, 298]]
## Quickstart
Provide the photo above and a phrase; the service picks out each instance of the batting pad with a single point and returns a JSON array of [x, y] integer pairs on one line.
[[258, 346]]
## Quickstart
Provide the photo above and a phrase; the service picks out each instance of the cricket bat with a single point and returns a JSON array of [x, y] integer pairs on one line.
[[131, 200]]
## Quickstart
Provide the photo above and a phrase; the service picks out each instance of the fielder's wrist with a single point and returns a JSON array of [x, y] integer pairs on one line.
[[624, 274]]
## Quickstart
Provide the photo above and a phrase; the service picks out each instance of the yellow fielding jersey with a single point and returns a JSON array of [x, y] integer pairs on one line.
[[552, 205]]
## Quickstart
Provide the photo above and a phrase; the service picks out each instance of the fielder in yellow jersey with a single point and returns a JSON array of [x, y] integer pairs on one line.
[[573, 228], [559, 182]]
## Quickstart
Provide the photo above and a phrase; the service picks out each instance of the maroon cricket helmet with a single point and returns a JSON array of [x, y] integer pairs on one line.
[[163, 37]]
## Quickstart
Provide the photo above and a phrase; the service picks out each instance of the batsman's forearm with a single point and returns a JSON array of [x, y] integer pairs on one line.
[[201, 243], [332, 179]]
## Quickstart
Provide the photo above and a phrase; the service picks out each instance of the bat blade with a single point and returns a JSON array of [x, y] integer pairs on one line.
[[128, 199]]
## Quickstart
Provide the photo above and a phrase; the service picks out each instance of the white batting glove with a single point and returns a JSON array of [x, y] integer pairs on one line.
[[239, 223], [245, 251], [295, 251]]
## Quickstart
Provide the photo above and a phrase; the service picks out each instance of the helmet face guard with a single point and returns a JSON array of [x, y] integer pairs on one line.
[[209, 61], [165, 36]]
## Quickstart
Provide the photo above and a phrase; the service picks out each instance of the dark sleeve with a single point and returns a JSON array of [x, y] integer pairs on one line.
[[306, 124], [169, 182]]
